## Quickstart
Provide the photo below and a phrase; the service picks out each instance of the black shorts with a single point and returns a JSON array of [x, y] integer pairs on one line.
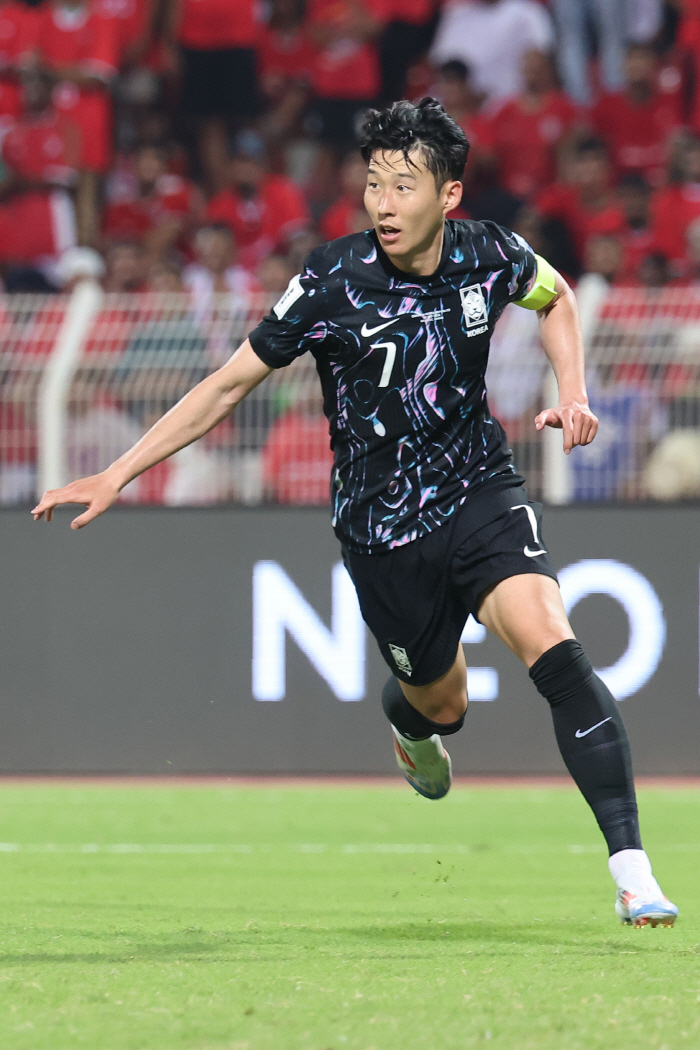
[[416, 599], [220, 83]]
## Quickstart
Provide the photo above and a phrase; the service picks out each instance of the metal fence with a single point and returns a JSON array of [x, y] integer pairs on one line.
[[83, 377]]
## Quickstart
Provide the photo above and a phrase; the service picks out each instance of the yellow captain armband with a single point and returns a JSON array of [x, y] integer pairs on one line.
[[543, 290]]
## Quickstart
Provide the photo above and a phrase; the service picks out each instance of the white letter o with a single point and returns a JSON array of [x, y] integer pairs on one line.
[[647, 626]]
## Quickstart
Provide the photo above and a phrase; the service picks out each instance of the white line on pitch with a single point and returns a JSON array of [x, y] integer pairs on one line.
[[310, 848]]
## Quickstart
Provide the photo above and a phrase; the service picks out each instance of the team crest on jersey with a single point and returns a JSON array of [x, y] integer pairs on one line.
[[473, 305], [401, 659]]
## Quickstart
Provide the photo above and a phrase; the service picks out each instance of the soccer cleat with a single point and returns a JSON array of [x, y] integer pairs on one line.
[[425, 764], [645, 906]]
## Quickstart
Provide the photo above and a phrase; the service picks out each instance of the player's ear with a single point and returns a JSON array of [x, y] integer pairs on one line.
[[451, 194]]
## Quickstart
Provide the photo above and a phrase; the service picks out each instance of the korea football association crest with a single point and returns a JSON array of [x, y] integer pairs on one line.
[[401, 659], [474, 305]]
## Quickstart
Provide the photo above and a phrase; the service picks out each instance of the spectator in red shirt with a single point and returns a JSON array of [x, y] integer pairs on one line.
[[40, 154], [286, 57], [639, 122], [528, 131], [262, 210], [133, 22], [348, 214], [346, 71], [17, 30], [217, 41], [405, 38], [677, 206], [297, 459], [629, 219], [455, 90], [81, 48], [587, 193], [156, 208]]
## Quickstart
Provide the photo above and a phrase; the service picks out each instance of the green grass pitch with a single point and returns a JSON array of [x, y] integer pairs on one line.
[[336, 918]]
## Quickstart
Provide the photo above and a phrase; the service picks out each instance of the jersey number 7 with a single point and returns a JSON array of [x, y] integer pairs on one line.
[[388, 361]]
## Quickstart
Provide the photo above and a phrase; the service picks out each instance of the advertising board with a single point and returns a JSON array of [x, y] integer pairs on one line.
[[229, 640]]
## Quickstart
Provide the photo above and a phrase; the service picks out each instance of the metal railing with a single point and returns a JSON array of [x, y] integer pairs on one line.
[[82, 377]]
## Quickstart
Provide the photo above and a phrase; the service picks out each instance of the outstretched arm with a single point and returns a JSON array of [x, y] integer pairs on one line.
[[198, 411], [560, 332]]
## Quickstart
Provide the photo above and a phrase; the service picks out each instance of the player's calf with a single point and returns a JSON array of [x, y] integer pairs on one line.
[[592, 740], [593, 743]]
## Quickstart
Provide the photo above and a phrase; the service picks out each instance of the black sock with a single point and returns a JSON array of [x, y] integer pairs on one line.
[[409, 722], [592, 740]]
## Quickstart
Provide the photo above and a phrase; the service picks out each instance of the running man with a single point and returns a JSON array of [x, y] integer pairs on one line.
[[433, 519]]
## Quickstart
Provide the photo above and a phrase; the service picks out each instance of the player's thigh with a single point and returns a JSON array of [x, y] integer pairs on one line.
[[527, 613], [408, 604]]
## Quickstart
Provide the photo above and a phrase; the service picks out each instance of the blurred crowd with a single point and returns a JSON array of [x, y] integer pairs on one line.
[[210, 144]]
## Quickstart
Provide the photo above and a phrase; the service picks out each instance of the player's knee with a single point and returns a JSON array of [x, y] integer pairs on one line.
[[560, 671], [440, 705], [447, 709], [419, 715]]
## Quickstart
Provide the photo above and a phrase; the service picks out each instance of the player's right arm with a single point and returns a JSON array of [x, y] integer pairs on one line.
[[197, 413]]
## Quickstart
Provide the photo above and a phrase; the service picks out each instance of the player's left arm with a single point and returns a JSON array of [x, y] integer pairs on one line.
[[560, 332]]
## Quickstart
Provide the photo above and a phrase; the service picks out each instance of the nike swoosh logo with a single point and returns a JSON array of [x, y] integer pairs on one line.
[[579, 734], [532, 554], [365, 331]]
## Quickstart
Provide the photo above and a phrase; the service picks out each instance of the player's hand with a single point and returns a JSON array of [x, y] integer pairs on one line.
[[577, 421], [98, 492]]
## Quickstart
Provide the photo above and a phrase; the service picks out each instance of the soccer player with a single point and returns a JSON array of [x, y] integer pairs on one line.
[[434, 521]]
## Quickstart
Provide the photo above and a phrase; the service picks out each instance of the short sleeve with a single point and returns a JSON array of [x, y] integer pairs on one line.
[[521, 260], [295, 323]]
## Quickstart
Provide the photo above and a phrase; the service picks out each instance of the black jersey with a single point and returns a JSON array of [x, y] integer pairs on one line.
[[401, 360]]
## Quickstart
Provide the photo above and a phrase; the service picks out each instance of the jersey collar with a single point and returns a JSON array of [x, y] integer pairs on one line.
[[414, 278]]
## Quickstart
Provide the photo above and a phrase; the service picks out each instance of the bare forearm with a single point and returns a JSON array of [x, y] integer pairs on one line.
[[192, 417], [560, 332], [197, 412]]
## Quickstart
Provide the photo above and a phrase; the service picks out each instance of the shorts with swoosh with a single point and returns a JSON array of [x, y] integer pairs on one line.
[[415, 599]]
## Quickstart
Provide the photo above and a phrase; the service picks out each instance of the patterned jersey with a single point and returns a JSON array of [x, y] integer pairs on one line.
[[401, 360]]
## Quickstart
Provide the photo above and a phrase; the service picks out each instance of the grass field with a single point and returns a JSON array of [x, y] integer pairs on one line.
[[336, 918]]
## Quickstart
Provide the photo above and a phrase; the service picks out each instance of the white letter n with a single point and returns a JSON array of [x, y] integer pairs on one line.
[[338, 655]]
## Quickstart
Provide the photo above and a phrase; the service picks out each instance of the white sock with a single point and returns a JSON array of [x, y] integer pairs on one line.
[[630, 868]]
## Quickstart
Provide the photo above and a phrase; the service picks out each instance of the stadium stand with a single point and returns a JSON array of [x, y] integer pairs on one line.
[[195, 152]]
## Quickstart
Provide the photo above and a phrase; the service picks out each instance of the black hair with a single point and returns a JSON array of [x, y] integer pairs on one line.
[[591, 145], [634, 180], [455, 69], [155, 147], [406, 126], [217, 227]]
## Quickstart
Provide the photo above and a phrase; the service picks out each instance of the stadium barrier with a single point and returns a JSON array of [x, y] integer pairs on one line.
[[229, 640], [84, 376]]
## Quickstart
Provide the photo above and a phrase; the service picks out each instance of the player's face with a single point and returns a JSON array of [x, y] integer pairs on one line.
[[406, 209]]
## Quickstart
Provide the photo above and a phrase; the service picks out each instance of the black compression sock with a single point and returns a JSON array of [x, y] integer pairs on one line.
[[592, 740], [409, 722]]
